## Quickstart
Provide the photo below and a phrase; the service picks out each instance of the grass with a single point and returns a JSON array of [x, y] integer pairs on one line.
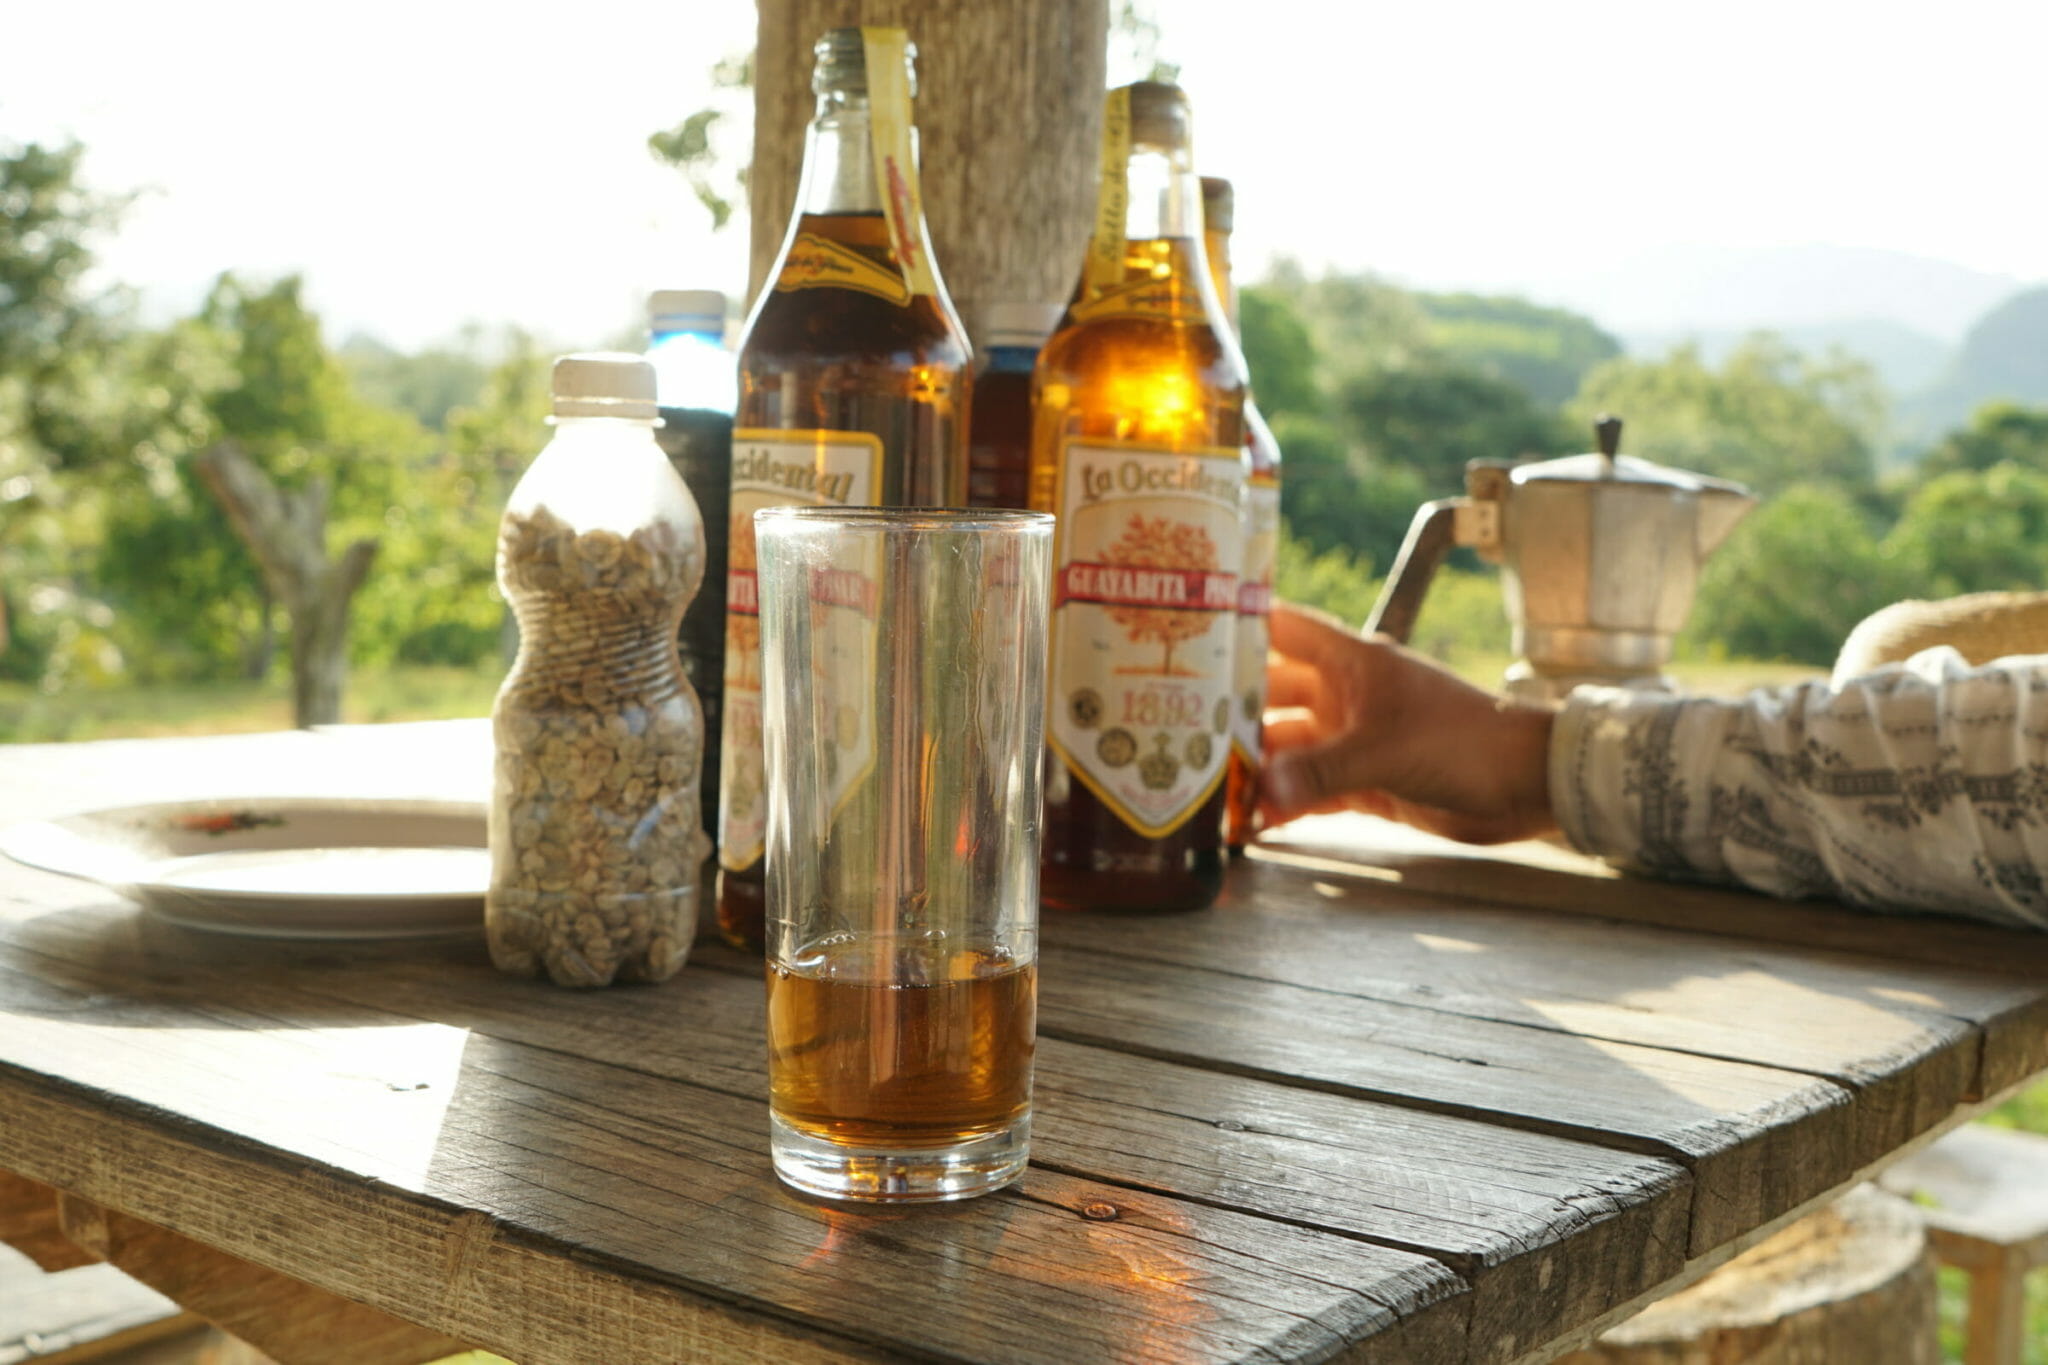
[[402, 693], [432, 693]]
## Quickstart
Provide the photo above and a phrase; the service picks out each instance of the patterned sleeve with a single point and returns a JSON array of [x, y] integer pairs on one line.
[[1920, 787]]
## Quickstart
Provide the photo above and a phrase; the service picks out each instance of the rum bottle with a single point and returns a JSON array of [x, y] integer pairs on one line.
[[999, 436], [1261, 550], [853, 387], [1138, 448]]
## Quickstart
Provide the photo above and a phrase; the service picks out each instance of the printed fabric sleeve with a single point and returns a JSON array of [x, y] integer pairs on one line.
[[1922, 787]]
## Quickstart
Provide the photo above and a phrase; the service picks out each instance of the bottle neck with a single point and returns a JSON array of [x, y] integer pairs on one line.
[[1163, 198], [1218, 247], [839, 162]]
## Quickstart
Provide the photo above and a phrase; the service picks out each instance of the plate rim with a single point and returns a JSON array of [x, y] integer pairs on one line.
[[147, 893]]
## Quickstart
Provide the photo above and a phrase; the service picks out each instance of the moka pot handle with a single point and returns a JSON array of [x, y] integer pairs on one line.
[[1430, 537]]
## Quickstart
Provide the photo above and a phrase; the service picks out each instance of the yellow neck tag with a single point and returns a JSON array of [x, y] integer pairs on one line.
[[1105, 267], [895, 164]]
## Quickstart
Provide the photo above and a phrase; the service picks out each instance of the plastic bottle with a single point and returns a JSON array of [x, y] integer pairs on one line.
[[596, 841]]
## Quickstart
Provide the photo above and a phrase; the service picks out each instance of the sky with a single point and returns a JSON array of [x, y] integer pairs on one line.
[[433, 163]]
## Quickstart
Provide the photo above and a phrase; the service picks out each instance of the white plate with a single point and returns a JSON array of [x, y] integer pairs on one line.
[[280, 867]]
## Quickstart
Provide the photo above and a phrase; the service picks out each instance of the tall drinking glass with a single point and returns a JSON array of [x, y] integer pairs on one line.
[[903, 681]]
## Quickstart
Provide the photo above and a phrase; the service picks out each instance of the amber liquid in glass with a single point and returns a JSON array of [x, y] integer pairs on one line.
[[938, 1057], [833, 359], [1166, 381]]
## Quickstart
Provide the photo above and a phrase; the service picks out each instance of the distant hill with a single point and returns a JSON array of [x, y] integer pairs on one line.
[[1718, 288], [2003, 356], [1906, 359]]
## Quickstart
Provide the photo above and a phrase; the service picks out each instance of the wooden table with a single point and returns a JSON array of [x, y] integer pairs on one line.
[[1390, 1100]]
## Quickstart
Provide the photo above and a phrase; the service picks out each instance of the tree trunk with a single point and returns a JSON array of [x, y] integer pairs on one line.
[[1853, 1282], [1009, 112], [287, 533]]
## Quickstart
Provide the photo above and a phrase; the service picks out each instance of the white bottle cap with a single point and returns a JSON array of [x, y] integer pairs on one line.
[[604, 384], [687, 310], [1021, 324]]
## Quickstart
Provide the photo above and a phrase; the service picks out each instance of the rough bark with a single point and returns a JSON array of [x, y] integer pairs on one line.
[[1009, 110], [286, 531]]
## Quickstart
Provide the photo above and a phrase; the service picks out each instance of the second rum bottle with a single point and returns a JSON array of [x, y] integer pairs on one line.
[[1261, 550], [854, 385], [1138, 447]]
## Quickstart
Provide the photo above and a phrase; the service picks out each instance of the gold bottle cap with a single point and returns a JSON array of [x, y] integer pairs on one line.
[[1159, 115]]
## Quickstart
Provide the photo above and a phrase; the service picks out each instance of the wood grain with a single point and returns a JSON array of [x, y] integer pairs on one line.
[[1361, 1110], [567, 1167], [1009, 111], [280, 1316]]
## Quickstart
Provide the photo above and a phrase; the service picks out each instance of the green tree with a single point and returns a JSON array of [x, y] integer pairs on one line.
[[63, 413], [1793, 580], [1998, 433], [1281, 355], [1544, 352], [1769, 417], [1974, 531], [1335, 500], [1433, 419]]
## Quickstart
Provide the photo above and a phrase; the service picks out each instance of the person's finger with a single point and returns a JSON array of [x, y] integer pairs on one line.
[[1291, 730], [1312, 636], [1292, 683], [1301, 778]]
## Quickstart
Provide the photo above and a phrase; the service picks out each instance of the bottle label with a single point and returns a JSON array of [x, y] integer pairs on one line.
[[774, 469], [1104, 265], [815, 262], [1159, 299], [1254, 604], [887, 56], [1144, 622]]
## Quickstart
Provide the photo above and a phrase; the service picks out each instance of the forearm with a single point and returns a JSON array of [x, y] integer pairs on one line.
[[1919, 789]]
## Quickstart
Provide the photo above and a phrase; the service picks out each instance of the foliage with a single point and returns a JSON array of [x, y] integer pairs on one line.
[[1433, 419], [1544, 352], [1280, 353], [1974, 531], [694, 148], [1334, 498], [1768, 417], [1332, 581], [428, 384], [1998, 433], [1792, 580], [1463, 621]]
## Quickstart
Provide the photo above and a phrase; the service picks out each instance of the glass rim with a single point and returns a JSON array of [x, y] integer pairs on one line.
[[932, 519]]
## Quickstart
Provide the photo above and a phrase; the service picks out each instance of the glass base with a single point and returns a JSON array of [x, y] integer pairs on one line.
[[920, 1175]]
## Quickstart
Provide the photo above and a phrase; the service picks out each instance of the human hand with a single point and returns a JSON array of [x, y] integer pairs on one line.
[[1367, 725]]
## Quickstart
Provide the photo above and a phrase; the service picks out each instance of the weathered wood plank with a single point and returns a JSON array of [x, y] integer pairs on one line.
[[286, 1319], [1549, 876], [583, 1181], [1757, 1140], [1496, 1203], [1989, 978]]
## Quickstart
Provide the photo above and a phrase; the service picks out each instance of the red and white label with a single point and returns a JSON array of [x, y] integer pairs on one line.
[[1144, 625], [771, 469]]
